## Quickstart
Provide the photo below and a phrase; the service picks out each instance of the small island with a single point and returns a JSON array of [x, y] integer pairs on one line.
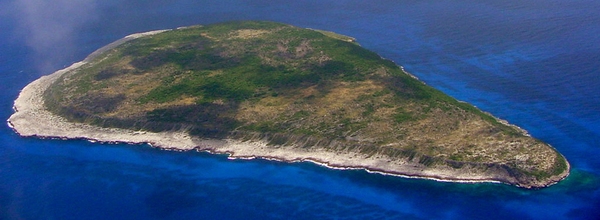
[[268, 90]]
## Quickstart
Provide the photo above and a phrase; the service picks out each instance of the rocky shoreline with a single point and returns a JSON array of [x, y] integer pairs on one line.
[[31, 119]]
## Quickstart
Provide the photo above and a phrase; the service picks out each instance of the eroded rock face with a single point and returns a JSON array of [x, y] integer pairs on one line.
[[301, 91]]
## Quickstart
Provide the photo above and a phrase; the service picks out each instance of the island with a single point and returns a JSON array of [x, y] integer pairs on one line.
[[257, 89]]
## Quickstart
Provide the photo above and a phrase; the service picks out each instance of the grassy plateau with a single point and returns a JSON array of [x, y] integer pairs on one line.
[[290, 86]]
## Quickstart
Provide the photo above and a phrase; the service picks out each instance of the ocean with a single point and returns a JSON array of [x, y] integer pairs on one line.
[[535, 63]]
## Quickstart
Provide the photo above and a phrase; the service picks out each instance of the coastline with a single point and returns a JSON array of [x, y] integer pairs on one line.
[[31, 119]]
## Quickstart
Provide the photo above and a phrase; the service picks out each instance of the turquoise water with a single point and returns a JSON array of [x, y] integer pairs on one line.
[[535, 63]]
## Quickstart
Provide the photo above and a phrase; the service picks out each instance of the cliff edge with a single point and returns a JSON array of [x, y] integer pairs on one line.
[[271, 90]]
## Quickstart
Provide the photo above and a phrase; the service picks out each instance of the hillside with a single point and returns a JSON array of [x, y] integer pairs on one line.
[[296, 88]]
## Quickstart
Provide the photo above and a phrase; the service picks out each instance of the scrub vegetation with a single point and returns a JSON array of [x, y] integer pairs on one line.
[[291, 87]]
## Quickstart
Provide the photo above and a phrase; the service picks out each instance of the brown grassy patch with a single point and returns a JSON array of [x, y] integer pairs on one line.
[[248, 33], [343, 96]]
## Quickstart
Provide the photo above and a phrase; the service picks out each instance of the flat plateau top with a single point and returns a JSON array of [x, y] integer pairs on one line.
[[292, 90]]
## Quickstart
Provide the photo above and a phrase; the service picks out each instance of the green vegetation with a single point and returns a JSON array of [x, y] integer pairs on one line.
[[275, 82]]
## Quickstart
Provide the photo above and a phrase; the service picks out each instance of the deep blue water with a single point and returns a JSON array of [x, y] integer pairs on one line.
[[535, 63]]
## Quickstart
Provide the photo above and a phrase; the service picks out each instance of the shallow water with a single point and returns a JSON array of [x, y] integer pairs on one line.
[[535, 63]]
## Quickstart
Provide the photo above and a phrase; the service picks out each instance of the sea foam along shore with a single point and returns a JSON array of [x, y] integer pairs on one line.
[[31, 119]]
